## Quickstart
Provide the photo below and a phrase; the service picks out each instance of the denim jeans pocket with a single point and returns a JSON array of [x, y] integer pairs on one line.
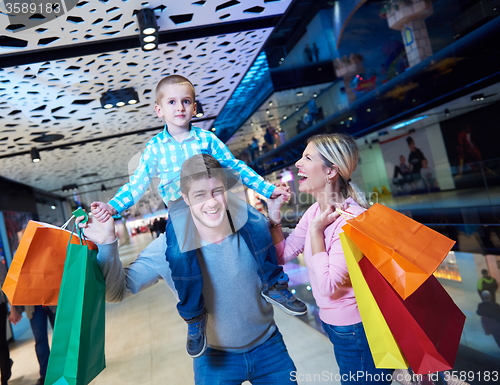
[[341, 333]]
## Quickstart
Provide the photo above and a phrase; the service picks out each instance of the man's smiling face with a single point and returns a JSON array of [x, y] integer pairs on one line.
[[207, 200]]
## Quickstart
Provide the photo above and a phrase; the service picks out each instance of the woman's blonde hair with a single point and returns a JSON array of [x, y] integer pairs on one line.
[[340, 151]]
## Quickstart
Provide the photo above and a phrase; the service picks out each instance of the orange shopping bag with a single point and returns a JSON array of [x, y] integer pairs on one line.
[[35, 273], [404, 251]]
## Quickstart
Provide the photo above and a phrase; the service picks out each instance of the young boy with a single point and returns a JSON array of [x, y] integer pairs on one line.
[[163, 158]]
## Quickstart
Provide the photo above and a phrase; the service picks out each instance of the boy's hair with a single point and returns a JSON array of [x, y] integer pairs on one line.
[[172, 79], [201, 166]]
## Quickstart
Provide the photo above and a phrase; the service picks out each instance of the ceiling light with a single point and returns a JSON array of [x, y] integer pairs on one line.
[[477, 97], [199, 110], [119, 98], [147, 21], [148, 28], [149, 47], [149, 31], [149, 39], [70, 187], [447, 112], [408, 122], [35, 155], [300, 93]]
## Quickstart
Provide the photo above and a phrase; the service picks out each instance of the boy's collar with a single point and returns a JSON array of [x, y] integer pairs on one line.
[[168, 136]]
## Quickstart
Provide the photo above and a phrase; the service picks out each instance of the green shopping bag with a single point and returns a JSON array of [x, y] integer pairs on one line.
[[77, 354]]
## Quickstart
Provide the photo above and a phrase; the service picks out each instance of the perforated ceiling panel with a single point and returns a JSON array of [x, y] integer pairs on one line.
[[61, 97], [91, 21]]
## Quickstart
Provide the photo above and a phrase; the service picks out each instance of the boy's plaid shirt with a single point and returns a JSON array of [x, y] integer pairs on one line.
[[163, 158]]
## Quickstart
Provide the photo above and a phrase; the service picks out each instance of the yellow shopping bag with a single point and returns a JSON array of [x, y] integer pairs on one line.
[[384, 348]]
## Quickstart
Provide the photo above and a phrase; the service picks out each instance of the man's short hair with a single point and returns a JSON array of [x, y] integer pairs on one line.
[[201, 166], [172, 79], [409, 140], [484, 272]]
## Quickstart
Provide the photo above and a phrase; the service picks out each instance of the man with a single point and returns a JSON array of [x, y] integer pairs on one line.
[[486, 282], [40, 317], [415, 158], [231, 284], [490, 316]]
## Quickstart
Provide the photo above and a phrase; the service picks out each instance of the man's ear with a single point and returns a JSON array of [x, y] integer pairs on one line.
[[158, 111], [186, 199]]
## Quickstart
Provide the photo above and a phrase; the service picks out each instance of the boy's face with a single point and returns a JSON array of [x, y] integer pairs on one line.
[[207, 201], [176, 106]]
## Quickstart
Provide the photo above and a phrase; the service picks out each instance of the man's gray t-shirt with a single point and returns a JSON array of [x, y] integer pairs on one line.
[[238, 317]]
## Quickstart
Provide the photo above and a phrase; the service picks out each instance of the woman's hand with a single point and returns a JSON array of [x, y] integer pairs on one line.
[[323, 220], [275, 202], [317, 229], [14, 315]]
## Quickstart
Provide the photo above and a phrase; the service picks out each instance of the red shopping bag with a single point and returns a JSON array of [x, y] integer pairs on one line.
[[35, 273], [427, 325], [404, 251]]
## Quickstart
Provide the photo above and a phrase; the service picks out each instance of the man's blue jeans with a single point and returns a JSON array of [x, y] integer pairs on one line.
[[184, 266], [267, 364], [353, 356], [39, 325]]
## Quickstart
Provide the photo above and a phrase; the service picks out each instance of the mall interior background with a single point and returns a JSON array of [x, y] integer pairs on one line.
[[332, 66]]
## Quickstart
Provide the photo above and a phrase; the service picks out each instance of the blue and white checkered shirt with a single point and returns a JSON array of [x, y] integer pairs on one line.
[[163, 158]]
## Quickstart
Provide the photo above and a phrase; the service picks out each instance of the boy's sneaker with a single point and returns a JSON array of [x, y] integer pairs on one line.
[[197, 338], [280, 296]]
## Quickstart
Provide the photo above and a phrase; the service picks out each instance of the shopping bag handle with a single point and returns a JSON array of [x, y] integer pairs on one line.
[[77, 213], [81, 236], [345, 214]]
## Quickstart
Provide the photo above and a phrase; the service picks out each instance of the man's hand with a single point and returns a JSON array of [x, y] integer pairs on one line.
[[14, 315], [102, 211], [97, 231]]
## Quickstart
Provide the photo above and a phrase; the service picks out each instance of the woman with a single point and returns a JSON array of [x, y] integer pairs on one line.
[[325, 170]]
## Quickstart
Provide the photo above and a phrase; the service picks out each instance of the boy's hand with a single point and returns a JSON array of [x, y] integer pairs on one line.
[[102, 211]]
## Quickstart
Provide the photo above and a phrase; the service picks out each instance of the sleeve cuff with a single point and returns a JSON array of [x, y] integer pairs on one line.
[[113, 203], [113, 244]]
